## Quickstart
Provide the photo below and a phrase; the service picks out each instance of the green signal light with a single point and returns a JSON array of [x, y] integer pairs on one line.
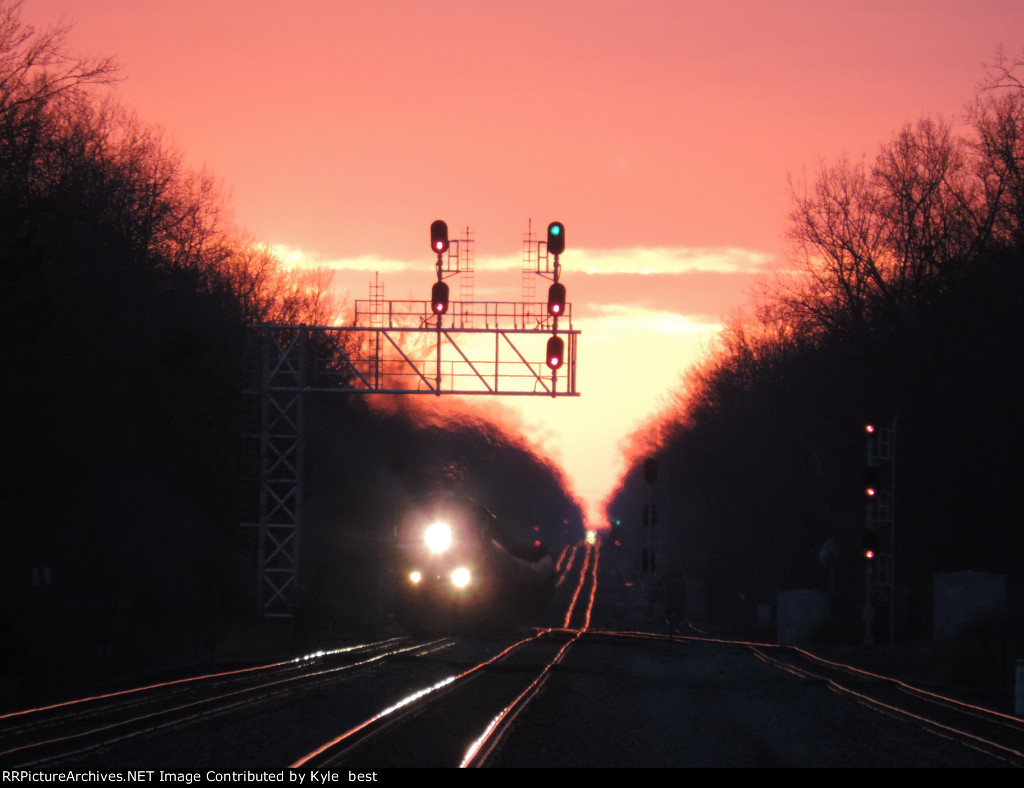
[[556, 238]]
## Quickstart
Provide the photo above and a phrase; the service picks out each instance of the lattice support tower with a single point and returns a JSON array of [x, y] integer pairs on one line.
[[281, 400]]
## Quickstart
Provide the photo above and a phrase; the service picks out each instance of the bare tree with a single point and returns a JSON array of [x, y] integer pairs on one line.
[[998, 122], [838, 250], [930, 207], [1005, 72], [869, 242], [36, 69]]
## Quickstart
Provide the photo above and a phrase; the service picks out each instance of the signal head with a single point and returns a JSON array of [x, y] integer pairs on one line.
[[871, 482], [556, 299], [555, 352], [439, 236], [439, 298], [870, 544], [556, 238]]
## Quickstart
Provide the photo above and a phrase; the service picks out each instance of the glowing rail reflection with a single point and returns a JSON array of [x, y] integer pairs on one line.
[[480, 749], [408, 700]]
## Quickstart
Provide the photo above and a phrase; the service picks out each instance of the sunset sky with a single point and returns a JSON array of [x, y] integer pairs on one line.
[[662, 134]]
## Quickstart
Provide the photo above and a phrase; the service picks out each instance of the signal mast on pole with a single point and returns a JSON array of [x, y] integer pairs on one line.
[[879, 489]]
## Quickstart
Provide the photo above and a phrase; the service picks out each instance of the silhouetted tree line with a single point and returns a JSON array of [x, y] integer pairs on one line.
[[125, 292], [899, 299]]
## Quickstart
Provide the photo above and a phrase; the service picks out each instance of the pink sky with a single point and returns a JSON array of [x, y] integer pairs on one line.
[[661, 133]]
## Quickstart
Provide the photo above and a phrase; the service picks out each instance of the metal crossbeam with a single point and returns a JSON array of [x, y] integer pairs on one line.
[[516, 315], [468, 361], [396, 347]]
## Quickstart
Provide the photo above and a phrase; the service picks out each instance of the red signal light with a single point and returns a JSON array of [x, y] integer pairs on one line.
[[871, 481], [555, 352], [556, 299], [439, 298], [439, 236], [869, 544]]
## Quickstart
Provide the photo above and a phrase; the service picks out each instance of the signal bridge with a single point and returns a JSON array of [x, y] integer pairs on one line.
[[483, 348], [434, 347]]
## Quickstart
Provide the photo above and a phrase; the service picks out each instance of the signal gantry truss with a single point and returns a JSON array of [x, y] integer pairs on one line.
[[400, 347]]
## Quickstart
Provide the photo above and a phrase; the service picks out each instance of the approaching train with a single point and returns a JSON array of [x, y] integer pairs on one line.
[[457, 569]]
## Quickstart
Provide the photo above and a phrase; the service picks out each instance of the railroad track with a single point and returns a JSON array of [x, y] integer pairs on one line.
[[988, 731], [996, 734], [454, 723], [457, 721], [406, 695], [446, 702], [37, 737]]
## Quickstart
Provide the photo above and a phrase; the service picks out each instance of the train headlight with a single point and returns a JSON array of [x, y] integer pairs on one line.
[[438, 537], [415, 576], [460, 577]]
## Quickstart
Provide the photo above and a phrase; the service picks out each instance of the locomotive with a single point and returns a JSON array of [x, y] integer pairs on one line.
[[456, 568]]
